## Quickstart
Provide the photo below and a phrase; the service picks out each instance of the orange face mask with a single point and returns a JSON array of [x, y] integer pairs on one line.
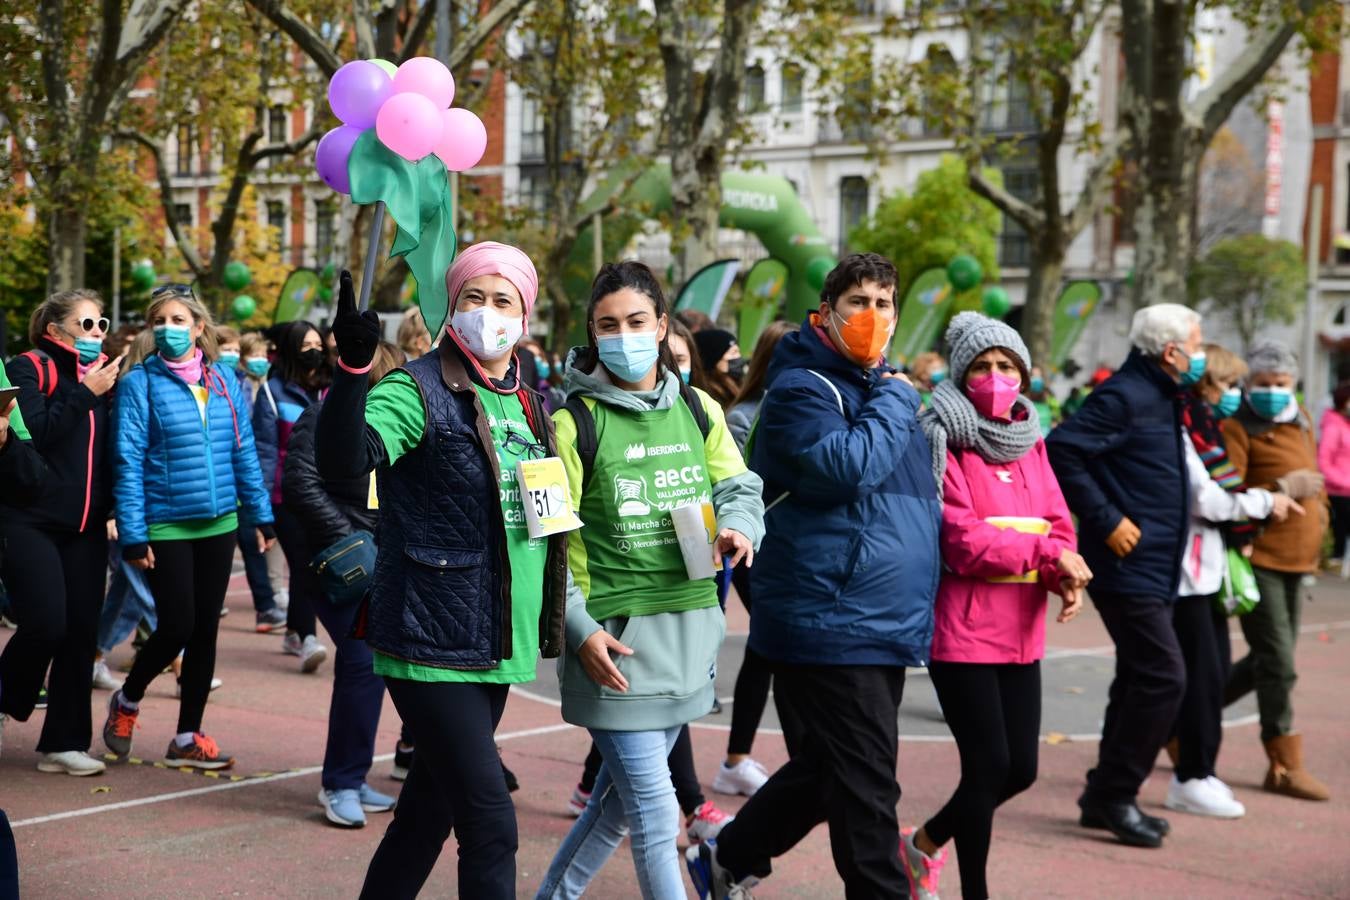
[[861, 338]]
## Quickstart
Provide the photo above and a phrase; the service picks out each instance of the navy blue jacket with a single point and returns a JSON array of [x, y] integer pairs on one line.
[[173, 467], [848, 570], [276, 409], [1122, 455]]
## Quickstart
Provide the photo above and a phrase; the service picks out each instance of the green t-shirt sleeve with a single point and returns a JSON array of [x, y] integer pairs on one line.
[[394, 409], [15, 417]]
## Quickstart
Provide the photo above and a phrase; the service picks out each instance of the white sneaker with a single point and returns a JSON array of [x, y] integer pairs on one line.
[[104, 679], [1218, 785], [292, 643], [282, 599], [1202, 798], [312, 654], [746, 777], [71, 762]]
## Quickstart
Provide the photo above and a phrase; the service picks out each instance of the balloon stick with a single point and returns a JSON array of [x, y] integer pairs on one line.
[[372, 253]]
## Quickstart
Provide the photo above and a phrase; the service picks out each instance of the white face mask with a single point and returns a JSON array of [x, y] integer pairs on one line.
[[487, 333]]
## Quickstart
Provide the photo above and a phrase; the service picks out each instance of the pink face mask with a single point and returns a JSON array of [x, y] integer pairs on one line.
[[993, 395]]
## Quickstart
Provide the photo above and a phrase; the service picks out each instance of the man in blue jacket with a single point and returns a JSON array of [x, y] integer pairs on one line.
[[844, 587], [1122, 466]]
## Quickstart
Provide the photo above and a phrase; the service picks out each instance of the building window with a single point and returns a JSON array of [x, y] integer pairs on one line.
[[276, 125], [187, 141], [182, 214], [533, 192], [1014, 250], [531, 130], [325, 231], [753, 98], [276, 218], [853, 207], [792, 89], [1006, 105]]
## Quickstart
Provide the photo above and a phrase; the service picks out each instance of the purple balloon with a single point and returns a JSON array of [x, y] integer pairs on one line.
[[330, 157], [357, 91]]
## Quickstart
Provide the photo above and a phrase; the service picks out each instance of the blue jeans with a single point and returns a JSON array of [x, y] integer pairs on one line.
[[358, 695], [255, 566], [128, 602], [633, 789]]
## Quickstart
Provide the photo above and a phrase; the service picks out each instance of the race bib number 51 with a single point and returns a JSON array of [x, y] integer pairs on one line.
[[546, 497]]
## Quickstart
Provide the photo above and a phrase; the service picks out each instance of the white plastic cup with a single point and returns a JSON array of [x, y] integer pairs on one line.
[[695, 527]]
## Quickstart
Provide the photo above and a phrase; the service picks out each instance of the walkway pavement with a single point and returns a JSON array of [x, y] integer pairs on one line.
[[144, 831]]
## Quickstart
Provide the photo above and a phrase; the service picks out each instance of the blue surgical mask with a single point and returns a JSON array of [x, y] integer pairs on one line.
[[1196, 371], [1228, 403], [257, 366], [1037, 384], [937, 376], [543, 368], [89, 349], [1269, 402], [629, 356], [227, 360], [686, 374], [173, 341]]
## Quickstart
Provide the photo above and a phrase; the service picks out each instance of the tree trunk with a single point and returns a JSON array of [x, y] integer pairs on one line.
[[1163, 232], [556, 288], [1043, 287], [67, 228], [698, 206]]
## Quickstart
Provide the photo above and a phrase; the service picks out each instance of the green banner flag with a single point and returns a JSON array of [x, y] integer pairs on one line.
[[761, 299], [708, 287], [1077, 302], [922, 313], [298, 294]]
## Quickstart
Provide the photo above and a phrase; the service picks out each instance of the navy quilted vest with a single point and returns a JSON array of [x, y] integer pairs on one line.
[[441, 591]]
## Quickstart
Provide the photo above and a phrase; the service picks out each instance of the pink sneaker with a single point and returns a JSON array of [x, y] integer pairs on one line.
[[921, 869], [706, 822]]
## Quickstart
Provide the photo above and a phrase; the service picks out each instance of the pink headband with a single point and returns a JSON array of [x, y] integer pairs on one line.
[[492, 258]]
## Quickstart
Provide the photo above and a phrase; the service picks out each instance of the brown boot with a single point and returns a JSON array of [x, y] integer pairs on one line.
[[1287, 775]]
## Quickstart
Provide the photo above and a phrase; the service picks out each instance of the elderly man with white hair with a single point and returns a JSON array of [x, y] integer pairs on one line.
[[1272, 445], [1121, 463]]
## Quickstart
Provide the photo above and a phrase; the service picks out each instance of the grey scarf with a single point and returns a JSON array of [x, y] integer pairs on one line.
[[952, 420]]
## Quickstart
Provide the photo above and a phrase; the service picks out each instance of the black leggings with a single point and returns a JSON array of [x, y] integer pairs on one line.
[[55, 581], [994, 712], [456, 782], [188, 582], [1340, 525], [683, 775], [303, 583], [1202, 632], [752, 682]]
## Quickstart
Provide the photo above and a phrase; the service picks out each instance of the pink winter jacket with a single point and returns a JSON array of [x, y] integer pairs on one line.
[[1333, 453], [976, 620]]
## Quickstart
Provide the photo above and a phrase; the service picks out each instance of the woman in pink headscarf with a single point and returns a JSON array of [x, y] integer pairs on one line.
[[462, 601]]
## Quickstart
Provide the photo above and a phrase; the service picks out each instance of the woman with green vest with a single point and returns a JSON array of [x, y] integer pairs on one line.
[[641, 647], [462, 600]]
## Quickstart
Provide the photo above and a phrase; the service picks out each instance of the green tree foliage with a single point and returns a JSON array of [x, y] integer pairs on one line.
[[926, 227], [1250, 280]]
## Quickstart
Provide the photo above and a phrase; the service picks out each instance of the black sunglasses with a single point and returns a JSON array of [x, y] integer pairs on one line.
[[88, 323], [178, 290]]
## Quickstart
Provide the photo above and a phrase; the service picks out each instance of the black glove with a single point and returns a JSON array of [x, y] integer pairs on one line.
[[357, 333]]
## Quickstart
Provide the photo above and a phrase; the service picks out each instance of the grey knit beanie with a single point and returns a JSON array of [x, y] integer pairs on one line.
[[1272, 356], [970, 334]]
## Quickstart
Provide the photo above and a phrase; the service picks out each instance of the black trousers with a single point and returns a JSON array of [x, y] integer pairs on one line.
[[1340, 525], [303, 584], [994, 712], [1202, 632], [456, 782], [683, 775], [188, 582], [55, 581], [752, 681], [843, 774], [1144, 698]]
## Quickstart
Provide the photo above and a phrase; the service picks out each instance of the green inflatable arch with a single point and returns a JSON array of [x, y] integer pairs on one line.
[[764, 205]]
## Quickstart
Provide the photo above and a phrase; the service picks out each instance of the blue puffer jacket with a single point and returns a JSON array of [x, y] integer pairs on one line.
[[1122, 455], [848, 570], [172, 467]]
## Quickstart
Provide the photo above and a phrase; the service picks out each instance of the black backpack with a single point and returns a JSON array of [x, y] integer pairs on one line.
[[588, 443]]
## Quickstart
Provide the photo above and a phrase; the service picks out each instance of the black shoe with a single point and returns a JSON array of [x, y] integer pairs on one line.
[[1126, 821]]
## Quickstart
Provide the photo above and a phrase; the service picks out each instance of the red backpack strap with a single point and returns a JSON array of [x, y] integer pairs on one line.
[[45, 367]]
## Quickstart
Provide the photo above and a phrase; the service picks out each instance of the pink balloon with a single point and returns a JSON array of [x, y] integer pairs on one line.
[[426, 76], [330, 157], [356, 92], [410, 125], [463, 140]]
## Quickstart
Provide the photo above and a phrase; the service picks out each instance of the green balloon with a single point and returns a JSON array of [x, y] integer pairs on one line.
[[964, 272], [817, 270], [995, 302], [325, 293], [243, 307], [237, 276], [385, 64], [143, 275], [329, 273]]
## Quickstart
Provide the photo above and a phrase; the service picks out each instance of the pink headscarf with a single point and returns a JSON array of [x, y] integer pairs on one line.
[[492, 258]]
